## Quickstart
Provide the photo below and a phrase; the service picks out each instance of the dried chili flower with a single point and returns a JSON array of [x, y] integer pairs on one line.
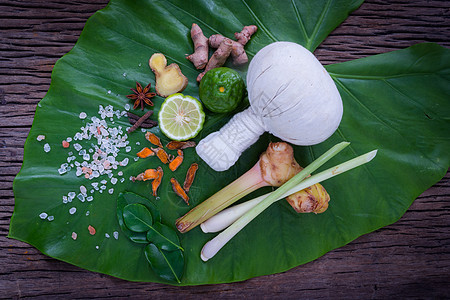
[[141, 96]]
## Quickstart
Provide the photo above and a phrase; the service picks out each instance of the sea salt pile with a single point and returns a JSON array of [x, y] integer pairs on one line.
[[94, 154], [99, 157]]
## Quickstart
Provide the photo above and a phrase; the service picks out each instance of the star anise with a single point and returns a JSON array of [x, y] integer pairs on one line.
[[141, 96]]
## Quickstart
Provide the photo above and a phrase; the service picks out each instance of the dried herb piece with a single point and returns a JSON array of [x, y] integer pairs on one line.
[[190, 177], [162, 155], [179, 190], [152, 138], [132, 118], [150, 174], [176, 162], [141, 96], [157, 181], [145, 152], [141, 120], [178, 145]]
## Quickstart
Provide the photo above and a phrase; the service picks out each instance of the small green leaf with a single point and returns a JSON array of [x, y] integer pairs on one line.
[[123, 200], [163, 237], [135, 198], [167, 265], [137, 217]]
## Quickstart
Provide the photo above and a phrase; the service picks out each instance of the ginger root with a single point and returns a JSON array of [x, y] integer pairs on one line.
[[169, 79], [200, 56], [312, 199]]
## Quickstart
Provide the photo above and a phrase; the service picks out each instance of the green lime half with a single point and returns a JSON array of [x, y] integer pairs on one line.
[[221, 90], [181, 117]]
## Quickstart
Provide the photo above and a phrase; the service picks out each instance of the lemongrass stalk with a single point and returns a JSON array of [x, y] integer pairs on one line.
[[228, 216], [292, 186]]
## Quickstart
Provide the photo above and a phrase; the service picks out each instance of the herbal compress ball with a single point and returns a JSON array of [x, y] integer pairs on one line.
[[291, 95]]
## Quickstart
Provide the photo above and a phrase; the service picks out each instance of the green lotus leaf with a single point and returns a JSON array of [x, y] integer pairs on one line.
[[395, 102]]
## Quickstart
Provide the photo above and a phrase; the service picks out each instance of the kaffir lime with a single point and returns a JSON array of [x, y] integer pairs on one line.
[[221, 90], [181, 117]]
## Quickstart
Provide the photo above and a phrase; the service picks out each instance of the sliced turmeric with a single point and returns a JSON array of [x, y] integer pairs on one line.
[[150, 174], [145, 152], [179, 190], [176, 162], [190, 177], [152, 138], [176, 145], [162, 155], [157, 181]]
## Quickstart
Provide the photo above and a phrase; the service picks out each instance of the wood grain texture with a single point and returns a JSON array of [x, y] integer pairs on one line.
[[409, 259]]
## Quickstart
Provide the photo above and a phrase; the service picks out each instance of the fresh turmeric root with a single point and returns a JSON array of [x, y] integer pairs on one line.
[[224, 46], [200, 56], [238, 53], [219, 57], [244, 36]]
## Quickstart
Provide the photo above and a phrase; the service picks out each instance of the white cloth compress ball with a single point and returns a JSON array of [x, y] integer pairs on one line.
[[291, 96]]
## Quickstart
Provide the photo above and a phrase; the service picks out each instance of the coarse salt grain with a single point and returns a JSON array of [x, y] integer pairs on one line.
[[111, 191], [83, 115], [89, 198], [43, 216], [87, 213], [50, 218], [47, 147], [40, 137], [81, 197], [96, 247], [107, 236], [74, 235], [91, 230], [83, 189], [72, 210], [116, 235], [113, 180]]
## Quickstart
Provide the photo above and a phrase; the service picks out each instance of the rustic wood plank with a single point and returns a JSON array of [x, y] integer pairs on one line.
[[410, 258]]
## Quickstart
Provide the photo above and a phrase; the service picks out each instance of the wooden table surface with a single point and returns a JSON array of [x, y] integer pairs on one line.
[[410, 258]]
